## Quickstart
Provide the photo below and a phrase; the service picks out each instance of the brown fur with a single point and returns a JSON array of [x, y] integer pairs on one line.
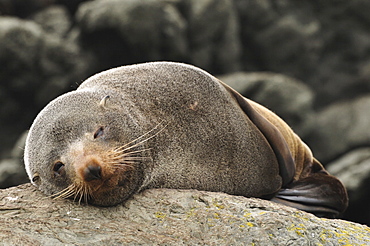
[[160, 124]]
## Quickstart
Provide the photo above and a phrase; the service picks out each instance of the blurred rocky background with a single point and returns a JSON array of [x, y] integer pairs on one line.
[[309, 61]]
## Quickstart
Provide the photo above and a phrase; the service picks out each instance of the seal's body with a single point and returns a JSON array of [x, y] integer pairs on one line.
[[171, 125]]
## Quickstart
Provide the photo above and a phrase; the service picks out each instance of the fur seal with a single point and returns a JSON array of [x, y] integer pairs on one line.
[[171, 125]]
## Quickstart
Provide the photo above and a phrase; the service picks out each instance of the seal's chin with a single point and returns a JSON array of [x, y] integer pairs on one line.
[[111, 197], [99, 192]]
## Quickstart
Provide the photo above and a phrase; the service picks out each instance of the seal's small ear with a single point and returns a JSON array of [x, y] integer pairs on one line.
[[35, 178], [103, 102]]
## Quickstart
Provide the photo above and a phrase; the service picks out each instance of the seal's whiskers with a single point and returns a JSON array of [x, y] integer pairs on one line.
[[134, 152], [79, 193], [126, 159], [127, 156], [130, 158], [65, 193], [142, 136], [121, 165], [134, 142], [82, 193]]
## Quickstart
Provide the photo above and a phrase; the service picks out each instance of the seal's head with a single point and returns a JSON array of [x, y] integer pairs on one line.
[[79, 147]]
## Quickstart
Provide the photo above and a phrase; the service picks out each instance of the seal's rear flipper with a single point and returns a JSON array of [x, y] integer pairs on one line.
[[319, 193], [309, 188]]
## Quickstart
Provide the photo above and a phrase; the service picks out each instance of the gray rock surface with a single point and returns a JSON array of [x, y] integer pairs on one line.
[[204, 33], [54, 20], [340, 128], [29, 57], [167, 217], [319, 42], [213, 30], [49, 46], [23, 8], [134, 31], [289, 98], [12, 171], [353, 169]]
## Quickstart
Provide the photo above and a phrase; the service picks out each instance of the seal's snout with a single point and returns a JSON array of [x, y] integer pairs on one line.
[[89, 168], [92, 172]]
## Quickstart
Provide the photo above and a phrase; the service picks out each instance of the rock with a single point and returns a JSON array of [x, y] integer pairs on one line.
[[71, 5], [12, 173], [55, 20], [18, 148], [282, 36], [353, 169], [167, 217], [22, 8], [340, 128], [19, 54], [213, 30], [36, 67], [287, 97], [321, 43], [124, 32], [133, 31], [12, 170]]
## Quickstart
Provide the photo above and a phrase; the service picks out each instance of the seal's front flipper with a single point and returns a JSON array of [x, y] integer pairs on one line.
[[320, 194], [272, 135]]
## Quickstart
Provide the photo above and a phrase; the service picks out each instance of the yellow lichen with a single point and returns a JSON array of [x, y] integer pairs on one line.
[[346, 236], [216, 216], [190, 213], [219, 205], [160, 215], [250, 224], [298, 229], [247, 215]]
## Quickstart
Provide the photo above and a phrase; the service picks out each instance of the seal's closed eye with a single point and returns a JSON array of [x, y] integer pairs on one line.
[[99, 132], [58, 169]]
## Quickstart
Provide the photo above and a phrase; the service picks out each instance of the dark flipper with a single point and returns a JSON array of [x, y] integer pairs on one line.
[[272, 135], [315, 191], [319, 193]]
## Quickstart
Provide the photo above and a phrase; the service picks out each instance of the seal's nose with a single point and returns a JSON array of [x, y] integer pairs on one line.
[[92, 172]]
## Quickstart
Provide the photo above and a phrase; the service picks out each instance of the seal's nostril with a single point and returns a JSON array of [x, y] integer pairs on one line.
[[92, 172]]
